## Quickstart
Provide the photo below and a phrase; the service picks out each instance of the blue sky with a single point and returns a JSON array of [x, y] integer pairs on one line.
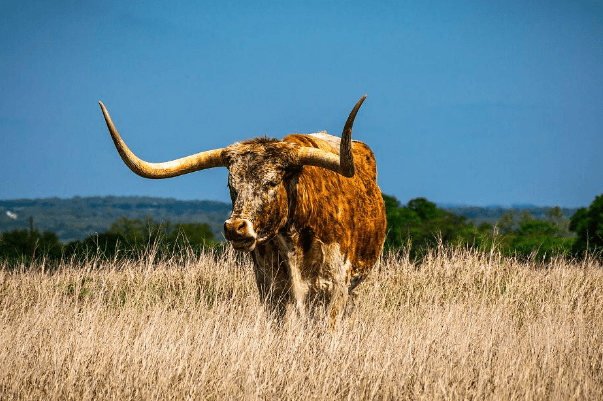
[[470, 102]]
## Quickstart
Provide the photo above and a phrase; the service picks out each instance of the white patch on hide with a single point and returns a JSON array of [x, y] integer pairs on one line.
[[330, 139], [329, 275], [333, 141], [299, 288]]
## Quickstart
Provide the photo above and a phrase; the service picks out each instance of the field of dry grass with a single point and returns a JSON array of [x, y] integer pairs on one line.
[[458, 326]]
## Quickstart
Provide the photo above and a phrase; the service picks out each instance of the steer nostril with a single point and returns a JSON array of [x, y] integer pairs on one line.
[[238, 229]]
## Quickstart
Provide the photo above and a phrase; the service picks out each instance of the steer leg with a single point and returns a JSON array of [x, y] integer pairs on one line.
[[338, 303], [328, 273], [358, 276], [327, 303], [294, 265], [272, 280], [273, 298]]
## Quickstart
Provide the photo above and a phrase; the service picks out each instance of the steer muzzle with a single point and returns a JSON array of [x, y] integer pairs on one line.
[[241, 234]]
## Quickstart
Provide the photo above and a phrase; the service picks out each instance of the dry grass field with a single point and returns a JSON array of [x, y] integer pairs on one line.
[[460, 325]]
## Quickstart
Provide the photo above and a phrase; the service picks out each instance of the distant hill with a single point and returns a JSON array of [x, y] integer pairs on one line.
[[76, 218], [492, 214]]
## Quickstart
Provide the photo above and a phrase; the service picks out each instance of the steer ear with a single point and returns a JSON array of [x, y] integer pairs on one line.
[[188, 164], [342, 164]]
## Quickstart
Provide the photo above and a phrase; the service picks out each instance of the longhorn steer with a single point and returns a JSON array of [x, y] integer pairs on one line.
[[306, 207]]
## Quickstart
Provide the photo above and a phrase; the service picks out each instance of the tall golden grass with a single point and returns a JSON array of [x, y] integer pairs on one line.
[[459, 325]]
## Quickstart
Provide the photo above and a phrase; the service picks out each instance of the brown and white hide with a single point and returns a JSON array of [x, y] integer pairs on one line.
[[318, 233]]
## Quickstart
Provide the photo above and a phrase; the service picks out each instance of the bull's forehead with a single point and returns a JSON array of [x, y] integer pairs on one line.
[[259, 159], [254, 167]]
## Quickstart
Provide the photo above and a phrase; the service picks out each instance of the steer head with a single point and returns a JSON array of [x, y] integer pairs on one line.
[[258, 171]]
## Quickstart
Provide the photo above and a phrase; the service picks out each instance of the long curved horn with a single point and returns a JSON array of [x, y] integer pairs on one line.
[[342, 164], [188, 164]]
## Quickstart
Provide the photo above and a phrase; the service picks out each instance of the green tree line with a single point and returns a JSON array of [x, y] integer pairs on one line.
[[421, 225], [125, 238], [415, 228]]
